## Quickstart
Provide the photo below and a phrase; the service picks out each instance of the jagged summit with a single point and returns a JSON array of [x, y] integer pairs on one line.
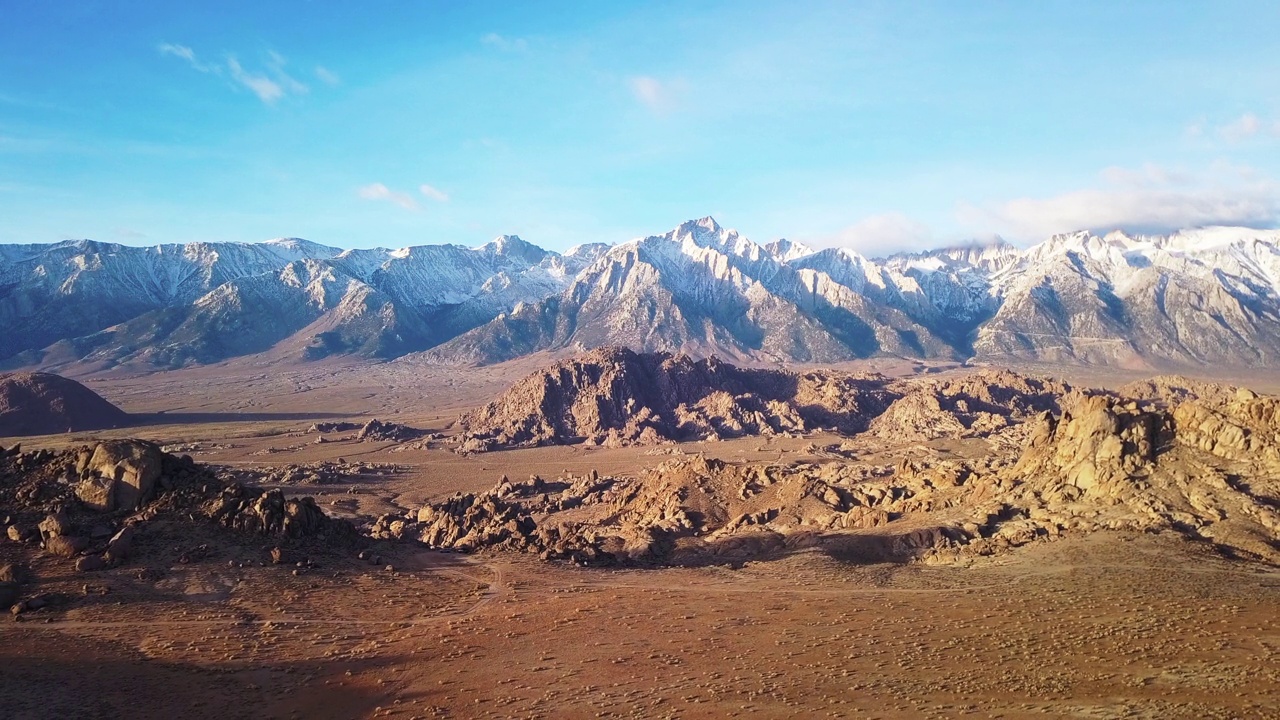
[[1199, 296]]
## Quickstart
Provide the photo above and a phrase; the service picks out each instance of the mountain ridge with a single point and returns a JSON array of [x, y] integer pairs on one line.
[[1194, 297]]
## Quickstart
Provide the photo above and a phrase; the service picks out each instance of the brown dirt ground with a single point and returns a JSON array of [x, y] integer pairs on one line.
[[1105, 626]]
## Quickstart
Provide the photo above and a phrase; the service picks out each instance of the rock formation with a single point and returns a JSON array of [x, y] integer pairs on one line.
[[1057, 461], [44, 404], [614, 396], [90, 505]]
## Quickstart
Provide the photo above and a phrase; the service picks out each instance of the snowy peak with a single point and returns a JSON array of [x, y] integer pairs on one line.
[[784, 250], [512, 248], [1200, 296]]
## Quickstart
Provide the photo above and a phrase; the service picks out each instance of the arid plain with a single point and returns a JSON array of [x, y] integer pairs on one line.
[[1105, 624]]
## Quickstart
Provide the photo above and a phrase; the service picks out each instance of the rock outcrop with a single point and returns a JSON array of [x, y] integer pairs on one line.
[[1057, 461], [91, 505], [44, 404], [614, 396], [118, 474]]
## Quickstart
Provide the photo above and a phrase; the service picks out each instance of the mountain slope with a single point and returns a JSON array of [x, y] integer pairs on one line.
[[1208, 296], [701, 288], [170, 305]]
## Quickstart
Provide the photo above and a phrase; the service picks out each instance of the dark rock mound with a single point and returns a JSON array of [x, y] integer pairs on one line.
[[43, 404], [614, 396]]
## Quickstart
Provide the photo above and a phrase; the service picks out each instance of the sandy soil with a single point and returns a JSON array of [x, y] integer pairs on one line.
[[1105, 626], [1109, 626]]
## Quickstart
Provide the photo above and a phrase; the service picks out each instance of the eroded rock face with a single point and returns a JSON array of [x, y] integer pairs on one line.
[[119, 474], [614, 396], [378, 431], [1059, 461], [143, 486], [1099, 446], [975, 405]]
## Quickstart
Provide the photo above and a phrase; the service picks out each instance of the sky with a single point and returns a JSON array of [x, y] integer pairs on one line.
[[881, 126]]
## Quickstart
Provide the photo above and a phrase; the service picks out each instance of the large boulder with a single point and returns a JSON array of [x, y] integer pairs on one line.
[[119, 474], [65, 546]]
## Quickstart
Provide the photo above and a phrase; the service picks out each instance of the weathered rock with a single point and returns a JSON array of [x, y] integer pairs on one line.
[[614, 396], [90, 563], [44, 404], [66, 546], [19, 533], [119, 474], [54, 525], [269, 512], [120, 545], [11, 572], [377, 431]]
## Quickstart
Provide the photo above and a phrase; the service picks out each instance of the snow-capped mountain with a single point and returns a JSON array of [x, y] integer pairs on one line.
[[1208, 296], [171, 305]]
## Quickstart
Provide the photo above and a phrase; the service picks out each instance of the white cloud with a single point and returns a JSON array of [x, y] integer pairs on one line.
[[883, 234], [128, 233], [494, 40], [433, 193], [1149, 199], [1242, 128], [269, 84], [1248, 126], [327, 76], [657, 95], [185, 53], [378, 191], [267, 90]]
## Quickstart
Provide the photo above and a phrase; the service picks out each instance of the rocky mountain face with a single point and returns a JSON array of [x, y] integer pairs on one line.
[[1198, 297], [174, 305], [614, 397], [952, 469]]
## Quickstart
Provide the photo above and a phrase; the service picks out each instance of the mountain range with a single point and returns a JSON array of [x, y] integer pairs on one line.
[[1195, 297]]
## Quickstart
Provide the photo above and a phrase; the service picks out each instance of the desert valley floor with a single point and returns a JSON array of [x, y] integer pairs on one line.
[[1107, 624]]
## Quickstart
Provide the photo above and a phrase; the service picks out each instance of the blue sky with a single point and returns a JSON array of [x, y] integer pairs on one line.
[[881, 126]]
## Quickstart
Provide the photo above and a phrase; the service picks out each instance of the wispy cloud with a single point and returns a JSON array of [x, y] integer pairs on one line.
[[883, 234], [1248, 126], [433, 193], [659, 96], [185, 53], [1148, 199], [267, 90], [269, 84], [327, 76], [378, 191], [494, 40]]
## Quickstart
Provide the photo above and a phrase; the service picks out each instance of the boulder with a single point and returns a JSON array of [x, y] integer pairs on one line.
[[89, 563], [54, 525], [65, 545], [10, 573], [119, 474], [120, 545], [18, 533]]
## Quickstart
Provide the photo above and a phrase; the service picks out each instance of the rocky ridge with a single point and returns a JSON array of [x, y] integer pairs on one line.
[[616, 397], [1067, 461], [1207, 296]]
